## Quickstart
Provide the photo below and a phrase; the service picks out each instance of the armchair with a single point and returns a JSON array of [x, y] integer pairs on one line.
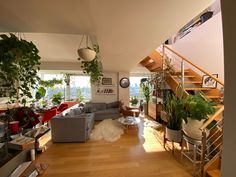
[[130, 111]]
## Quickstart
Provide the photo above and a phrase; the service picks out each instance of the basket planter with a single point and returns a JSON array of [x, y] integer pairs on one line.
[[173, 135], [86, 54], [192, 128]]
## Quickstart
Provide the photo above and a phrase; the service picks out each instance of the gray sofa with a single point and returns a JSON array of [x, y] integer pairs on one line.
[[103, 111], [72, 125]]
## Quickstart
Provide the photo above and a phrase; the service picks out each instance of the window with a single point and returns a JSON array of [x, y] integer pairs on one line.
[[80, 88], [135, 87], [57, 88]]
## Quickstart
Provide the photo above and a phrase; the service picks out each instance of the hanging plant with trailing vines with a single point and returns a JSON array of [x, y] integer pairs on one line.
[[19, 64], [93, 68]]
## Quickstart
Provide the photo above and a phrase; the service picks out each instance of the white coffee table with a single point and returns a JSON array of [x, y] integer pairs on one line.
[[129, 121]]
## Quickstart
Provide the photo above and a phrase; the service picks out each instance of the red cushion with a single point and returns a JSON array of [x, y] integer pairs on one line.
[[48, 115], [62, 107]]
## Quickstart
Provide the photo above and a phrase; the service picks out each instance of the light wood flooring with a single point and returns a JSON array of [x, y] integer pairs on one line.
[[138, 153]]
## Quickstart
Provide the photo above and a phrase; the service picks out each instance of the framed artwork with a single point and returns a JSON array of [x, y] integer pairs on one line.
[[124, 82], [106, 81], [209, 82]]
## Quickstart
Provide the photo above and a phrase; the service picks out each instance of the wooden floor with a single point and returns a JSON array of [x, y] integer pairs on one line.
[[138, 153]]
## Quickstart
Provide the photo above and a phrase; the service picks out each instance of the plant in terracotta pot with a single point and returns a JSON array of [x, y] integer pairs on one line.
[[175, 110], [198, 109]]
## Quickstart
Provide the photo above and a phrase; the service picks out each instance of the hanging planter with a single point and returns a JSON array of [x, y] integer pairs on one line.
[[86, 54]]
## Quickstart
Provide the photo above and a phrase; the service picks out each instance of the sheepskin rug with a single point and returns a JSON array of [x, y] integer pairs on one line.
[[108, 129]]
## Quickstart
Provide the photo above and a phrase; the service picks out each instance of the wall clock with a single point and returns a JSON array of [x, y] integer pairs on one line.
[[124, 82]]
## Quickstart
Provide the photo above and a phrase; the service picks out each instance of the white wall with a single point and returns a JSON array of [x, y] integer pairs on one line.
[[123, 92], [204, 46], [106, 97]]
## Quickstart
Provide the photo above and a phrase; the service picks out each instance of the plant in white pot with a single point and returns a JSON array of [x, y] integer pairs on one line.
[[174, 107], [198, 109]]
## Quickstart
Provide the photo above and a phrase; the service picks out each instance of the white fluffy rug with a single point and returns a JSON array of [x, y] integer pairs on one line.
[[109, 130]]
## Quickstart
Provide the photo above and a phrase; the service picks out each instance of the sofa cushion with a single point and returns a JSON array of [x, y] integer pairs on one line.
[[112, 111], [114, 104], [96, 106], [88, 108]]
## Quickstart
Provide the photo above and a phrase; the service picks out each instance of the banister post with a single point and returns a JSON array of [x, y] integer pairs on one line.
[[182, 75], [203, 152]]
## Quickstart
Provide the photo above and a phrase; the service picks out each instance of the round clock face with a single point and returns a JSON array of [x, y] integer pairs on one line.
[[124, 82]]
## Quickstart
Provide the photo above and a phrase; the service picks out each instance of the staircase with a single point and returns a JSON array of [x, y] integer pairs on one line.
[[190, 81]]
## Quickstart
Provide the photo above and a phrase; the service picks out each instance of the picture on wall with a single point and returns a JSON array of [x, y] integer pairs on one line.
[[106, 81], [209, 82]]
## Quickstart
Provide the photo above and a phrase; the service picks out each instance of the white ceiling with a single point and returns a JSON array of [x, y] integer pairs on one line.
[[126, 30]]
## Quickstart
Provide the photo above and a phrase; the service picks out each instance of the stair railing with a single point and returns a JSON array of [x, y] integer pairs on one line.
[[194, 65], [211, 146], [211, 138]]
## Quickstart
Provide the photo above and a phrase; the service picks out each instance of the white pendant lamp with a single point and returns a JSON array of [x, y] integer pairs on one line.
[[86, 53]]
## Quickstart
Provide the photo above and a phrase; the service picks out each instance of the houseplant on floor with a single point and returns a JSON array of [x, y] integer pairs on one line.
[[198, 109], [175, 109], [145, 92]]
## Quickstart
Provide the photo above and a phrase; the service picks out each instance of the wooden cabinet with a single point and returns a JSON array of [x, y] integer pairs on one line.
[[154, 110]]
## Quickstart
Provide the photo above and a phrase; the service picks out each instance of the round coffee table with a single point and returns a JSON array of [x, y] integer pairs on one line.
[[129, 121]]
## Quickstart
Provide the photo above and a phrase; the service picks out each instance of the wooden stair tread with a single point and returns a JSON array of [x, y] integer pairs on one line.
[[212, 96], [187, 76], [196, 88], [214, 173], [192, 82], [156, 69], [218, 106], [179, 71]]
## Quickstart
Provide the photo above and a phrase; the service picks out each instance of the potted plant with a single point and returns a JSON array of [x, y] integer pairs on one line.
[[175, 110], [146, 92], [134, 101], [66, 77], [93, 68], [57, 98], [198, 109], [19, 63]]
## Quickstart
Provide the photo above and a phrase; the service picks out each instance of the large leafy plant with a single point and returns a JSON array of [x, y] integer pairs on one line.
[[175, 109], [93, 68], [19, 63], [198, 107], [145, 89]]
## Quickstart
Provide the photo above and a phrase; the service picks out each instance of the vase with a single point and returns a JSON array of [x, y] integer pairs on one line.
[[86, 54], [173, 135]]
